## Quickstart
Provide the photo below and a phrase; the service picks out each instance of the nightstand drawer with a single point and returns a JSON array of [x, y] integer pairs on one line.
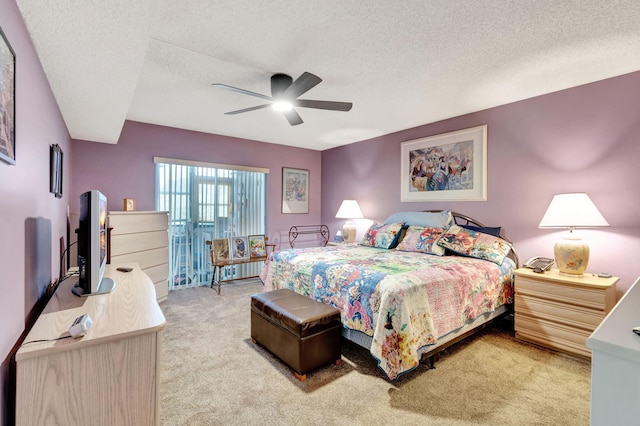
[[552, 335], [590, 297], [571, 315]]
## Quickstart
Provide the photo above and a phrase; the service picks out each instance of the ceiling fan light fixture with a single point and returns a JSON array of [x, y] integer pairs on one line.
[[282, 105], [285, 95]]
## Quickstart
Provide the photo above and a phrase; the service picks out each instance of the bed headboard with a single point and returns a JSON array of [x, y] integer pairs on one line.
[[461, 219]]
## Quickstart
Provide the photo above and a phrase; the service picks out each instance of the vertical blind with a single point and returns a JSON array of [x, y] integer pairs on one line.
[[207, 201]]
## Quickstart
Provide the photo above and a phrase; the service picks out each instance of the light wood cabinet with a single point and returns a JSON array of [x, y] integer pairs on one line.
[[142, 237], [559, 311], [108, 376]]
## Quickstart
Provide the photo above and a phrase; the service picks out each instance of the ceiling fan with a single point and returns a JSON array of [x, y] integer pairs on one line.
[[284, 96]]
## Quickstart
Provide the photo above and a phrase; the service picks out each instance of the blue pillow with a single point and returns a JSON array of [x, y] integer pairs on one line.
[[495, 231], [441, 219]]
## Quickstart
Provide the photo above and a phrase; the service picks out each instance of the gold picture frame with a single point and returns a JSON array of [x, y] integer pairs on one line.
[[129, 204], [220, 250]]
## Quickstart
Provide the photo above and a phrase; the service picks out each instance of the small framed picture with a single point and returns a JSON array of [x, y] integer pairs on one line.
[[239, 247], [129, 204], [257, 246], [220, 247]]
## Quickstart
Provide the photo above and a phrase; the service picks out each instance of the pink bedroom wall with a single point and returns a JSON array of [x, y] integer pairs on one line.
[[127, 170], [585, 139], [33, 220]]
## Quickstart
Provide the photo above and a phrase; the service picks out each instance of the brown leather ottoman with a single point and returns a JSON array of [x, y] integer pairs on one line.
[[302, 332]]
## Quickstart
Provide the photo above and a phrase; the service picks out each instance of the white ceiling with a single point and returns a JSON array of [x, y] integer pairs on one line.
[[402, 64]]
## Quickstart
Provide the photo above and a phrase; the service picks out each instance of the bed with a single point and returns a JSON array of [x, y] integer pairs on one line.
[[410, 288]]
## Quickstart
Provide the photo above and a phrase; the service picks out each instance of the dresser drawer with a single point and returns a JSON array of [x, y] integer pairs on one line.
[[552, 335], [130, 243], [135, 222], [572, 315], [146, 259], [590, 297]]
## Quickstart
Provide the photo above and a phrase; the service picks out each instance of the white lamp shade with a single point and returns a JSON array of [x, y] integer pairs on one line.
[[572, 211], [349, 209]]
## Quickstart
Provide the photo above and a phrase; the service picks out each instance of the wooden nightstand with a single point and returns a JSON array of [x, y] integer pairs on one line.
[[561, 312]]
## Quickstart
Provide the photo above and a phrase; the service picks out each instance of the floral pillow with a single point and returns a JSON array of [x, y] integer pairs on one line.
[[382, 236], [475, 244], [422, 239]]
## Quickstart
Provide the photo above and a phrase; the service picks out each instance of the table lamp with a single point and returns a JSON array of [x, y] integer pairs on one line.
[[572, 211], [349, 209]]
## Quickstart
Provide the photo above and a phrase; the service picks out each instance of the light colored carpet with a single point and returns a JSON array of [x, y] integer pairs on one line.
[[212, 374]]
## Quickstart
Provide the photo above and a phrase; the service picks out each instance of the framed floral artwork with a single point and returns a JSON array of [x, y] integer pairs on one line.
[[257, 246], [295, 190]]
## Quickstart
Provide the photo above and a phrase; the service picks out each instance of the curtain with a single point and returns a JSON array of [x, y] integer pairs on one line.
[[208, 201]]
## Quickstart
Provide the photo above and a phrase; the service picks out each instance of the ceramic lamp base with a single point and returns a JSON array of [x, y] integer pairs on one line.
[[349, 232], [571, 255]]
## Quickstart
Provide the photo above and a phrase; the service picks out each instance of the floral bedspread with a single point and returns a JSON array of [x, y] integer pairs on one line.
[[403, 300]]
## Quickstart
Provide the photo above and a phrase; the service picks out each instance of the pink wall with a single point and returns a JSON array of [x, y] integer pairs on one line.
[[126, 169], [33, 220], [585, 139], [582, 139]]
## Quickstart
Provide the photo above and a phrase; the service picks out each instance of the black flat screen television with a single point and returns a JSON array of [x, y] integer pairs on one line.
[[92, 245]]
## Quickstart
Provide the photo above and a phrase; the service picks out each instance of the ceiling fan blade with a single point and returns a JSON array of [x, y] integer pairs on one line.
[[247, 109], [245, 92], [304, 83], [333, 106], [293, 117]]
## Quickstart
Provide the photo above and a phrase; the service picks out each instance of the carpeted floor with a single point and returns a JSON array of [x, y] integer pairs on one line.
[[213, 375]]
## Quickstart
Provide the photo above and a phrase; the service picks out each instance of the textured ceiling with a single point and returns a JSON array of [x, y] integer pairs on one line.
[[402, 64]]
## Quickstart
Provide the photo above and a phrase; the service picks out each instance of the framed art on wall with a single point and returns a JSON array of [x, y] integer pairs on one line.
[[295, 190], [7, 101], [447, 167], [55, 170]]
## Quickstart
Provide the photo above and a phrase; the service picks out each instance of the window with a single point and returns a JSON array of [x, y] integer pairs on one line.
[[207, 201]]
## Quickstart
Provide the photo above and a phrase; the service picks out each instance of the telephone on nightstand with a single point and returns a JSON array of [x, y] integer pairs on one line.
[[539, 264]]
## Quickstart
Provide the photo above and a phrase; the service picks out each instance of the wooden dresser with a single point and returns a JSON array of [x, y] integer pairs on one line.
[[559, 311], [142, 237], [110, 375]]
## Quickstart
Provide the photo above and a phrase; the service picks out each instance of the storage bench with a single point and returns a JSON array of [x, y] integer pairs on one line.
[[303, 333]]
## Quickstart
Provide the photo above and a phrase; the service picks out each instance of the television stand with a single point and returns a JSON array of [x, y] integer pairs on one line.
[[108, 376]]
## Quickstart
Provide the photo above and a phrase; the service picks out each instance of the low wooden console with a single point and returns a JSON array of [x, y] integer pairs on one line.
[[108, 376]]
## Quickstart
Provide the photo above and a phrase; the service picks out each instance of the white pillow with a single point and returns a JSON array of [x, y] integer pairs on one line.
[[441, 219]]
